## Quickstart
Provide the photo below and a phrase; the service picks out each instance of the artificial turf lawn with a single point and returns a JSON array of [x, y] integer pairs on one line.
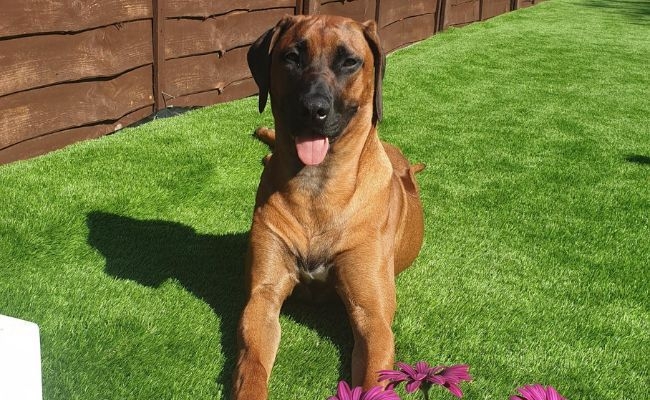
[[534, 126]]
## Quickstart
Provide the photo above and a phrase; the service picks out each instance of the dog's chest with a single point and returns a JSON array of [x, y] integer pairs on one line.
[[313, 269]]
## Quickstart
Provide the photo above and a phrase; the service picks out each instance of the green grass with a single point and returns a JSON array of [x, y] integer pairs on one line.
[[535, 128]]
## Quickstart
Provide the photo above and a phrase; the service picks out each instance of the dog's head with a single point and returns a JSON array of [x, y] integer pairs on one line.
[[321, 72]]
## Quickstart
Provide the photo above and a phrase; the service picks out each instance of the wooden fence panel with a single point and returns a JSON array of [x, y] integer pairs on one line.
[[45, 16], [101, 52], [492, 8], [460, 12], [186, 36], [57, 140], [54, 108], [360, 10], [401, 23], [71, 70], [209, 8], [190, 75], [202, 55], [524, 3]]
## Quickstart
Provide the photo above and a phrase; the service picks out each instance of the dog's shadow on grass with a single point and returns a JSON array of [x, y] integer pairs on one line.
[[210, 267], [638, 159]]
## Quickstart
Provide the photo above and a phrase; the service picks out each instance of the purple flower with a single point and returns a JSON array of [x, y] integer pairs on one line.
[[452, 376], [378, 393], [537, 392], [421, 373], [414, 377], [344, 392]]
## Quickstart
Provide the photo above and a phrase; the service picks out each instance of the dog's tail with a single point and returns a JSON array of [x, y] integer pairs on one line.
[[416, 168]]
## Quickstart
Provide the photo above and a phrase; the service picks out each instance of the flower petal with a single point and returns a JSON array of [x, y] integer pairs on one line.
[[552, 394], [407, 369], [436, 370], [389, 395], [539, 392], [343, 392], [376, 393], [372, 393], [456, 373], [412, 386], [356, 393], [395, 376], [533, 392], [421, 367], [526, 392], [436, 379], [454, 389]]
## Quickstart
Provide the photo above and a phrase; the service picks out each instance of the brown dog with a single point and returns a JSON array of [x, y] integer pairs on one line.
[[335, 207]]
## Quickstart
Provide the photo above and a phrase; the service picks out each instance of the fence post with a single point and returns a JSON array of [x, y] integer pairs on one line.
[[377, 12], [440, 20], [309, 7], [158, 32]]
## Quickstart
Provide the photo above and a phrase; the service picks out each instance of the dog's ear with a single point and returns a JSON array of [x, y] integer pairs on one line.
[[259, 58], [370, 33]]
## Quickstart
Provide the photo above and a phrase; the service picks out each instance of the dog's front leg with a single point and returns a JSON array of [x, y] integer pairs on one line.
[[368, 292], [270, 283]]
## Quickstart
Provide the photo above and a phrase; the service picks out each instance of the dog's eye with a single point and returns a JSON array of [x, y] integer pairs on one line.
[[350, 62], [292, 57]]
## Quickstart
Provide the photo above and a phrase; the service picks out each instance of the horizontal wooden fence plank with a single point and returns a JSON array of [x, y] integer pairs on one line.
[[57, 140], [492, 8], [407, 31], [185, 37], [461, 12], [396, 10], [208, 8], [189, 75], [523, 3], [40, 111], [360, 10], [101, 52], [40, 16], [232, 91]]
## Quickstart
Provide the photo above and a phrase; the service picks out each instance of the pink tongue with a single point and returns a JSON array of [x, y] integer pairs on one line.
[[312, 149]]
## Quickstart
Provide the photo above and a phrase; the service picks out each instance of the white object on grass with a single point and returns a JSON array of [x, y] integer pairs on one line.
[[20, 360]]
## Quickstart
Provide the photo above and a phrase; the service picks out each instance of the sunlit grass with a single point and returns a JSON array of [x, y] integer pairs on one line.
[[534, 126]]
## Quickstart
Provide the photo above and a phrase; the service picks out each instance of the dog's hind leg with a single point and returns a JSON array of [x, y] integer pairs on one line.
[[266, 136]]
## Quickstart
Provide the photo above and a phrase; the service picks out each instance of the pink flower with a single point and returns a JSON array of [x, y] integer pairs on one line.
[[378, 393], [421, 373], [452, 376], [344, 392], [414, 377], [537, 392]]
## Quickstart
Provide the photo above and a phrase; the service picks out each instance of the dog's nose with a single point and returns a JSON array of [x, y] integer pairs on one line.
[[317, 108]]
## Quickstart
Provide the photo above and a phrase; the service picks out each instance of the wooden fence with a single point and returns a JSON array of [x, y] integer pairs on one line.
[[74, 70]]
